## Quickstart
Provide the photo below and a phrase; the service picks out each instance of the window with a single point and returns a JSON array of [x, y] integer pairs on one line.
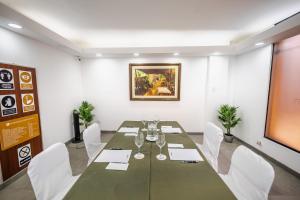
[[283, 116]]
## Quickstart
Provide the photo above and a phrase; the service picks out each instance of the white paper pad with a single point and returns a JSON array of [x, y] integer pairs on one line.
[[117, 166], [129, 130], [171, 145], [184, 154], [130, 134], [170, 130], [166, 126], [116, 156]]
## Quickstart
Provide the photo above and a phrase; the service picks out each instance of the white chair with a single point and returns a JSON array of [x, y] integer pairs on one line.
[[212, 138], [250, 177], [50, 173], [92, 141]]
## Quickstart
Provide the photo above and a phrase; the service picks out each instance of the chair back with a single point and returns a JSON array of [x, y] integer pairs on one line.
[[213, 136], [92, 139], [251, 173], [50, 171]]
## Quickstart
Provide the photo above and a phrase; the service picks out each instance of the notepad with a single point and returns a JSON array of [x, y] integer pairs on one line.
[[129, 130], [115, 156], [170, 130], [166, 126], [171, 145], [117, 166], [130, 134], [184, 154]]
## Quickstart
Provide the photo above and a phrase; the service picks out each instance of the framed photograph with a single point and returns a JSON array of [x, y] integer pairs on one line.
[[154, 81]]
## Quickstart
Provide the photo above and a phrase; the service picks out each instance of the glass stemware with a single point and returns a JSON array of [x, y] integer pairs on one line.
[[144, 123], [160, 142], [139, 141]]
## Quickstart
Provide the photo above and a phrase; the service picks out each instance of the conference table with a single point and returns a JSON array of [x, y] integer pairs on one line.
[[149, 178]]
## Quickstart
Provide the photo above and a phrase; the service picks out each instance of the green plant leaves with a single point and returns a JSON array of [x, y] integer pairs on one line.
[[228, 117], [85, 113]]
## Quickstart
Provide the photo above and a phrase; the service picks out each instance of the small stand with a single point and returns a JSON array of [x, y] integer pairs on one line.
[[77, 138]]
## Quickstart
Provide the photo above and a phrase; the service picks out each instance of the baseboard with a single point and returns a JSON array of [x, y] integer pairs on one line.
[[13, 178], [293, 172], [69, 141]]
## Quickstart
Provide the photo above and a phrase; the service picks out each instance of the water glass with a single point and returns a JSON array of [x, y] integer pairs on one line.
[[139, 141], [160, 142], [144, 123]]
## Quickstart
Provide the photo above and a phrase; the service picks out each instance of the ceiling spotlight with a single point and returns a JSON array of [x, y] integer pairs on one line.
[[216, 53], [15, 26], [136, 54], [176, 54], [259, 43], [98, 55]]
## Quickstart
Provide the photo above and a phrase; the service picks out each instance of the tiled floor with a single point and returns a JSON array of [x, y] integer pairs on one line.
[[285, 186]]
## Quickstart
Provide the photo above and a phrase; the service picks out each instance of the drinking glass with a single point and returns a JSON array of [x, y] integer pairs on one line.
[[144, 123], [139, 141], [160, 142], [156, 122]]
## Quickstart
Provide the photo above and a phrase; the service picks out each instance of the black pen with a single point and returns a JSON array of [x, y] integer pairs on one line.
[[116, 148], [189, 161]]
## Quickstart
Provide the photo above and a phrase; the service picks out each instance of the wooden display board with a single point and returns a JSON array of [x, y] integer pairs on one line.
[[20, 130]]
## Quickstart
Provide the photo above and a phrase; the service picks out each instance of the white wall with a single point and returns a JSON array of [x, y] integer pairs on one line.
[[217, 86], [58, 81], [250, 74], [106, 85]]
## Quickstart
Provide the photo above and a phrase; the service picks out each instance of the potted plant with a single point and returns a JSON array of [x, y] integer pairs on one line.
[[228, 118], [85, 113]]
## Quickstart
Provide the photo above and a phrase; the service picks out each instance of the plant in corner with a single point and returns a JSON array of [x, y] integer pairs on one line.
[[228, 118], [85, 113]]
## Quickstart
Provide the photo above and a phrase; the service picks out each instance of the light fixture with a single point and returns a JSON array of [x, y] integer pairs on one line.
[[136, 54], [98, 55], [176, 54], [216, 53], [259, 44], [15, 26]]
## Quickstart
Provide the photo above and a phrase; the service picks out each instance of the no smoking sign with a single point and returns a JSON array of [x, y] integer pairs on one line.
[[24, 154]]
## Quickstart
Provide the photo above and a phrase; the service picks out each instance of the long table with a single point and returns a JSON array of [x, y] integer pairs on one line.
[[149, 178]]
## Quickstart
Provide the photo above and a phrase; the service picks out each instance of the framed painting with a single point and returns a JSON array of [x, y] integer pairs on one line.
[[154, 81]]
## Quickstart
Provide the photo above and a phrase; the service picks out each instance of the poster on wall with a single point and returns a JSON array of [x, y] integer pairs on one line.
[[19, 130], [155, 81], [24, 154], [28, 102], [25, 80], [6, 79], [8, 105]]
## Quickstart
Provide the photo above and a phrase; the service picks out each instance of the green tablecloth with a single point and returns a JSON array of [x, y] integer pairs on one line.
[[149, 178]]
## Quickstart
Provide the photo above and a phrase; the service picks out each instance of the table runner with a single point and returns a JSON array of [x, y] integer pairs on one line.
[[150, 178]]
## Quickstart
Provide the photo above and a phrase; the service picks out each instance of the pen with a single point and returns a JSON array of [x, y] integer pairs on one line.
[[189, 161]]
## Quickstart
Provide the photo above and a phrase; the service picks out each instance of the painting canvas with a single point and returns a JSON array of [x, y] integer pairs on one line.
[[155, 82]]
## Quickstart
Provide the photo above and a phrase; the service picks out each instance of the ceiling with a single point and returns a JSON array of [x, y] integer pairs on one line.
[[155, 23]]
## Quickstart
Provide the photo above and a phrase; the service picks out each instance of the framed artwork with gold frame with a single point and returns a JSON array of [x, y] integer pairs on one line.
[[155, 81]]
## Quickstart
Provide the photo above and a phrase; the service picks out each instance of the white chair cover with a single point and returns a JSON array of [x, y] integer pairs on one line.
[[92, 141], [250, 177], [212, 138], [50, 173]]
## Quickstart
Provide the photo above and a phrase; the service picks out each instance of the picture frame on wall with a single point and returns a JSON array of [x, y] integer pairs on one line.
[[155, 81]]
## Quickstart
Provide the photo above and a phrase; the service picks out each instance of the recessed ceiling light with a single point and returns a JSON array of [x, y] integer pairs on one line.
[[259, 43], [176, 54], [15, 26], [216, 53], [98, 55], [136, 54]]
